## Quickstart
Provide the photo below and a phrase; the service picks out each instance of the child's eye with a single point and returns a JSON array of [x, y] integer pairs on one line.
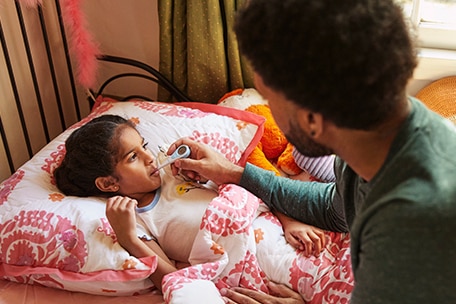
[[145, 146], [133, 156]]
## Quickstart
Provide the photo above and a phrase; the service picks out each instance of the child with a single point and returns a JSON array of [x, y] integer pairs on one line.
[[101, 158], [108, 157]]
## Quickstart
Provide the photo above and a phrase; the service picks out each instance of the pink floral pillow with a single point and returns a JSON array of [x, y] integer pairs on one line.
[[66, 242]]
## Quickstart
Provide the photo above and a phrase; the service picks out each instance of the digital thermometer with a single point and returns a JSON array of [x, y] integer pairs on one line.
[[182, 151]]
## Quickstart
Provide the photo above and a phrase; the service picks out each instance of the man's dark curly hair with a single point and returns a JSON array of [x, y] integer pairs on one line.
[[349, 60]]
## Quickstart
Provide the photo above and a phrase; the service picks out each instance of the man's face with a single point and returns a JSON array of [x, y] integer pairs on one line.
[[285, 114], [305, 144]]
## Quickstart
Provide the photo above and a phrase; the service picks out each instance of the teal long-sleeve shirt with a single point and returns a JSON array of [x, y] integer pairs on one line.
[[402, 223]]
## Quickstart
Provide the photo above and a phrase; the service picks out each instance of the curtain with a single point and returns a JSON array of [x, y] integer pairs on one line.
[[198, 48]]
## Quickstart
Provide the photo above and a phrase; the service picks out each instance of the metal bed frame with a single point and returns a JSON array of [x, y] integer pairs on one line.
[[148, 72], [152, 74]]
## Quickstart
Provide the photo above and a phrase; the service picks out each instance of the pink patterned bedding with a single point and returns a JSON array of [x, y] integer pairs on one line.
[[66, 242], [238, 247], [42, 243]]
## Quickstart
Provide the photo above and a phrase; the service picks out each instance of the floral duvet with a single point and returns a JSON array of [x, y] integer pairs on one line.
[[240, 243]]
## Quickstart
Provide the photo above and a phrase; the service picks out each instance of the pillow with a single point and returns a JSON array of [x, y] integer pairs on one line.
[[66, 242]]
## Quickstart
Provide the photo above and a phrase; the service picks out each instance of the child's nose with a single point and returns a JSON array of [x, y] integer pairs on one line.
[[149, 158]]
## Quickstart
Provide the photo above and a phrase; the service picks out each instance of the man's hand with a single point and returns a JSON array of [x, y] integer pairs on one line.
[[280, 294], [204, 164]]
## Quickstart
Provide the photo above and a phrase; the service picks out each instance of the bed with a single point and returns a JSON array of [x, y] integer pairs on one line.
[[56, 248]]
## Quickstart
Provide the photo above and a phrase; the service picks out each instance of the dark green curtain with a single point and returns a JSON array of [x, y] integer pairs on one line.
[[198, 48]]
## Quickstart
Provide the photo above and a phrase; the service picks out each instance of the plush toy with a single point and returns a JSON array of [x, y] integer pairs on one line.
[[321, 168], [273, 152]]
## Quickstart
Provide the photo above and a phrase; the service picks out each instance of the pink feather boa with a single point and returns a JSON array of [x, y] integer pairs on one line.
[[82, 45]]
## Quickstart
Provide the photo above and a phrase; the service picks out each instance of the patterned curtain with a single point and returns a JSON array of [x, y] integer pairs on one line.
[[198, 48]]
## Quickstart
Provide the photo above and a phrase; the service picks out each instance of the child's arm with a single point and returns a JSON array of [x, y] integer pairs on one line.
[[302, 236], [120, 212]]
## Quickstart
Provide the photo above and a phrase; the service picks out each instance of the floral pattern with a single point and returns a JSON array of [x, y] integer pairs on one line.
[[224, 145], [38, 238], [64, 237], [234, 245], [226, 226], [53, 161], [8, 185], [166, 109]]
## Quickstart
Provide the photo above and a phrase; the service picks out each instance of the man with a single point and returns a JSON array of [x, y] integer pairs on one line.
[[335, 76]]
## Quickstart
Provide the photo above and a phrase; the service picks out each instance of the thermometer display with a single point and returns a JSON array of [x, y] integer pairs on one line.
[[182, 151]]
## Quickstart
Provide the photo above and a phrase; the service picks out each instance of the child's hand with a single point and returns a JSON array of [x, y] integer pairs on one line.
[[120, 212], [302, 236]]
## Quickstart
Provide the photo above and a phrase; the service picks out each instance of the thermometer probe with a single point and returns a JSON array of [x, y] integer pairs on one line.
[[182, 151]]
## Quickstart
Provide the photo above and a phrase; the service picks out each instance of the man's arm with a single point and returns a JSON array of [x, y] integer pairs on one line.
[[312, 203]]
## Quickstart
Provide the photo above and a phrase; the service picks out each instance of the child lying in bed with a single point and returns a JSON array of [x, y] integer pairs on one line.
[[108, 157]]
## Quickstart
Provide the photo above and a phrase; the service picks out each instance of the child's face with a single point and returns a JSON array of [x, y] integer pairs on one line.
[[134, 170]]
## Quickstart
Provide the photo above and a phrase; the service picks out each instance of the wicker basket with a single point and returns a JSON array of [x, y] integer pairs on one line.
[[440, 96]]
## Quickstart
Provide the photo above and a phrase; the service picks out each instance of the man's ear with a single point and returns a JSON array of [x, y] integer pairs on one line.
[[106, 184], [311, 122]]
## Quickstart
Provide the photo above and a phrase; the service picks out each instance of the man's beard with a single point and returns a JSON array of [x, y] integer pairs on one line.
[[304, 144]]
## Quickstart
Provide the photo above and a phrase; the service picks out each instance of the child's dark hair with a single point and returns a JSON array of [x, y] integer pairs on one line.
[[91, 152]]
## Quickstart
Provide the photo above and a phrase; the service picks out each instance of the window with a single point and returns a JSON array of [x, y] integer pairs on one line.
[[435, 21]]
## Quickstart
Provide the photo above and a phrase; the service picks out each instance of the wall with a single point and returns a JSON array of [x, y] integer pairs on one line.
[[433, 64], [126, 29], [122, 28]]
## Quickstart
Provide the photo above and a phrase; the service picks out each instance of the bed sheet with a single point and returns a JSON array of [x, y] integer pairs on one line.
[[15, 293], [241, 243], [66, 242], [264, 251]]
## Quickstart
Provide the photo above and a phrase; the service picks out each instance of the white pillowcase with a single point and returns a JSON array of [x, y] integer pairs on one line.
[[66, 242]]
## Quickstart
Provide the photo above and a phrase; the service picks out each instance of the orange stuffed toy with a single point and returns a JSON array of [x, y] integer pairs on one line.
[[273, 152]]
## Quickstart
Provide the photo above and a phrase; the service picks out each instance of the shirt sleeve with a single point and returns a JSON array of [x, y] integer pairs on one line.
[[313, 203]]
